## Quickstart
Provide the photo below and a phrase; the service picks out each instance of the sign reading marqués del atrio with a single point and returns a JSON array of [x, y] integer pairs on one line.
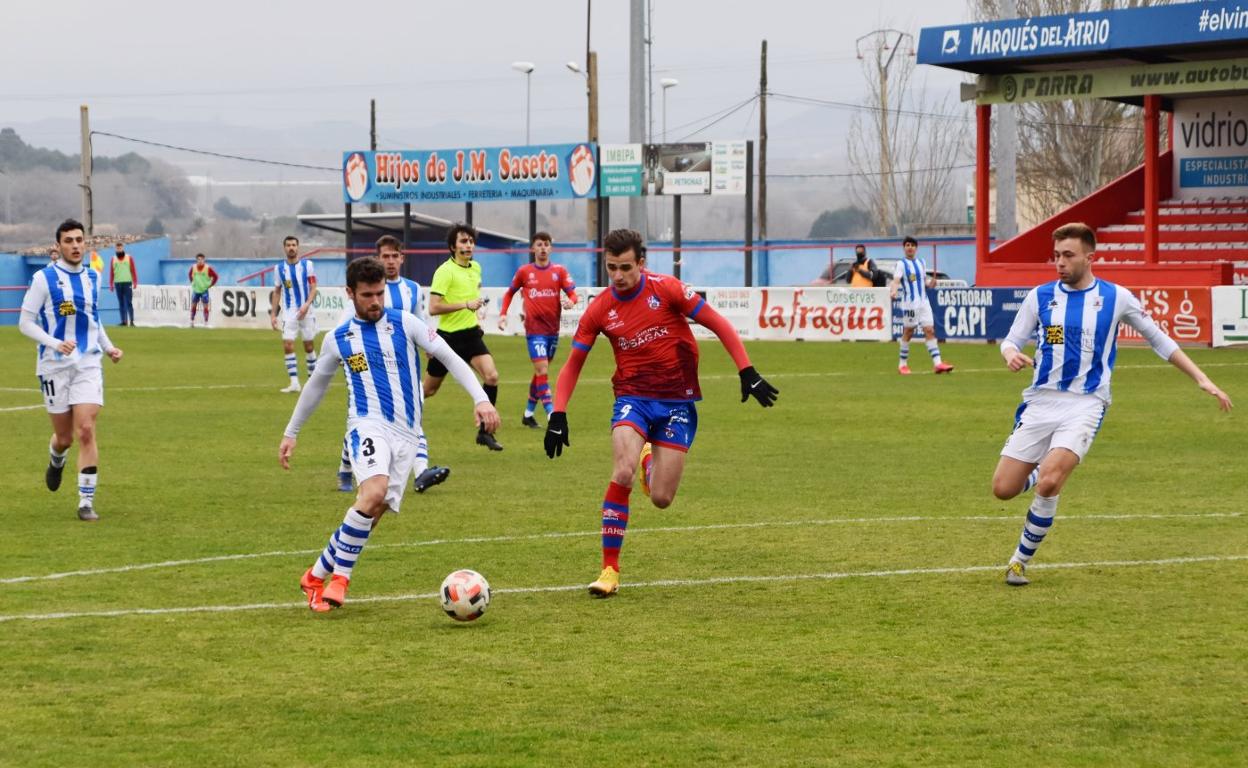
[[470, 174]]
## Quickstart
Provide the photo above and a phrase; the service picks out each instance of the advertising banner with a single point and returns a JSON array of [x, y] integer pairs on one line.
[[1064, 34], [1211, 147], [728, 172], [241, 306], [820, 314], [1142, 80], [1183, 313], [698, 168], [620, 168], [158, 305], [1230, 315], [540, 172], [970, 314]]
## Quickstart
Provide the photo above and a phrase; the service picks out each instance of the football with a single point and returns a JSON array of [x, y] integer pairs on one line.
[[465, 595]]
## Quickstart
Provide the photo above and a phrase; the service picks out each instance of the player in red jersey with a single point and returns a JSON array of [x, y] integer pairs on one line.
[[542, 283], [656, 384]]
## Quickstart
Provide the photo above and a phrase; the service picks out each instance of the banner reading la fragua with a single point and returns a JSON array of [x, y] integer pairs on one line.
[[470, 174]]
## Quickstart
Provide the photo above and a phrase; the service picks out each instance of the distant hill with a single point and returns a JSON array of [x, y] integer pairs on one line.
[[17, 155]]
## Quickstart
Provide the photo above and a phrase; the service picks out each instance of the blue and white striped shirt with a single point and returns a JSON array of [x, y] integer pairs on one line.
[[404, 295], [65, 306], [912, 274], [1076, 335], [295, 280]]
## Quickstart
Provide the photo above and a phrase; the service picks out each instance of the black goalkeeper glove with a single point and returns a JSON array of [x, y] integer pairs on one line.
[[556, 434], [753, 384]]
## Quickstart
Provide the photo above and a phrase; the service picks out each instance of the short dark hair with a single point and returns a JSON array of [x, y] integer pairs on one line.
[[389, 241], [288, 238], [909, 239], [452, 234], [541, 235], [860, 245], [200, 256], [620, 241], [67, 225], [367, 269], [1078, 230]]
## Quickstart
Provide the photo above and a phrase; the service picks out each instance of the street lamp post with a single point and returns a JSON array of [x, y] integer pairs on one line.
[[527, 68], [591, 91], [667, 82]]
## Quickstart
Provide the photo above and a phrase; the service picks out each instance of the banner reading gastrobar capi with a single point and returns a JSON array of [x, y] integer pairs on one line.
[[1111, 82], [470, 174]]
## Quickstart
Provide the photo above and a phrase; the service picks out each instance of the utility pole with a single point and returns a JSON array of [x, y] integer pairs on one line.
[[762, 147], [880, 45], [1007, 156], [591, 68], [637, 99], [372, 139], [88, 212]]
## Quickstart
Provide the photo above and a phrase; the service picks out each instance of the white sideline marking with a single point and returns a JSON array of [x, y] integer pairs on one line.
[[590, 532], [21, 408], [832, 576]]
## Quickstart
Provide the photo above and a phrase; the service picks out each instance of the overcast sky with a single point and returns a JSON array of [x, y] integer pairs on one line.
[[289, 64]]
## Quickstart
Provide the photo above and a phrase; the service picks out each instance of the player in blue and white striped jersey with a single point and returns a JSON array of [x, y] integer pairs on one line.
[[909, 288], [1073, 322], [377, 349], [404, 295], [61, 312], [295, 291]]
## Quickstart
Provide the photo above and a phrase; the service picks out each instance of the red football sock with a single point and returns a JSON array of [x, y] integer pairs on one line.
[[614, 523]]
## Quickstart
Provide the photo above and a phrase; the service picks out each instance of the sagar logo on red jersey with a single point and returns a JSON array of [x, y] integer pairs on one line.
[[643, 338]]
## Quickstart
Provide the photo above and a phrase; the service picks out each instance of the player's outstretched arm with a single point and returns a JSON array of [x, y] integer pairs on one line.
[[1180, 360], [752, 383]]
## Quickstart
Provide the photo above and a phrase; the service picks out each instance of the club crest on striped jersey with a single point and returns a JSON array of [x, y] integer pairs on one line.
[[358, 363], [66, 308], [1054, 334]]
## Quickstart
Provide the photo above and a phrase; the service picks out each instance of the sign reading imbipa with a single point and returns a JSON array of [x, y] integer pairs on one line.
[[822, 314]]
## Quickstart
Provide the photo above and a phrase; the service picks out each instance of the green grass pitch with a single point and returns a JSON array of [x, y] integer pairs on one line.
[[825, 590]]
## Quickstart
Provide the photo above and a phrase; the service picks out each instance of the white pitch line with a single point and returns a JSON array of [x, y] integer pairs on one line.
[[830, 576], [591, 379], [21, 408], [587, 533]]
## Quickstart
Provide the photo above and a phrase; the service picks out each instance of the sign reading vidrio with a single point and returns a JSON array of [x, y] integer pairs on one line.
[[1211, 148]]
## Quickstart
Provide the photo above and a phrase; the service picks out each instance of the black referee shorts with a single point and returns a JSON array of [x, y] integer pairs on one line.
[[468, 343]]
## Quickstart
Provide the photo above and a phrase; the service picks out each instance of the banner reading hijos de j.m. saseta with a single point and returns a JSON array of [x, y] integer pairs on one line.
[[472, 174]]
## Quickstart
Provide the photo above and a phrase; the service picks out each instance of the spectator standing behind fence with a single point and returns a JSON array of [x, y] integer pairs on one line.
[[202, 278], [122, 277], [862, 271]]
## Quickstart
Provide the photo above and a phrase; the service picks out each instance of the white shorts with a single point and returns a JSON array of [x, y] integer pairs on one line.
[[379, 450], [917, 315], [292, 326], [1056, 420], [73, 385]]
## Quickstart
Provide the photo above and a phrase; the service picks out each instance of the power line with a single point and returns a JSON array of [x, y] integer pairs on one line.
[[938, 115], [722, 117], [867, 173], [215, 154]]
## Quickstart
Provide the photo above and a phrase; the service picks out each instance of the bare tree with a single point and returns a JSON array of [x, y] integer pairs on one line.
[[904, 147], [1069, 149]]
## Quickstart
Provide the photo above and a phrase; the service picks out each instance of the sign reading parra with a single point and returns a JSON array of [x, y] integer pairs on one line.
[[470, 174]]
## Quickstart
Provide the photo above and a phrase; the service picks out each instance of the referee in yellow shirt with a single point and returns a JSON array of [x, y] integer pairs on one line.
[[454, 298]]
